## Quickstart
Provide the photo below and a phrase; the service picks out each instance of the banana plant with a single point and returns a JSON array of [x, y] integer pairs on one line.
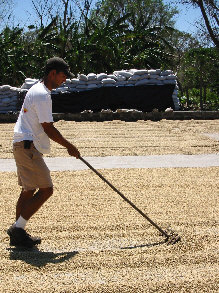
[[13, 56]]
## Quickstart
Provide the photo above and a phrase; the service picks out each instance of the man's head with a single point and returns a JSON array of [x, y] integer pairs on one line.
[[56, 71]]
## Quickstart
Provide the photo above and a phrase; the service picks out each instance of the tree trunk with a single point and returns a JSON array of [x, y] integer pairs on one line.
[[187, 97], [207, 23], [201, 98], [205, 93]]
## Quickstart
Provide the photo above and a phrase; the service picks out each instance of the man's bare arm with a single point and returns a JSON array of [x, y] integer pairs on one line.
[[56, 136]]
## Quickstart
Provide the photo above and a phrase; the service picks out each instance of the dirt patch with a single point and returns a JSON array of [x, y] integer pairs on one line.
[[114, 138], [94, 242]]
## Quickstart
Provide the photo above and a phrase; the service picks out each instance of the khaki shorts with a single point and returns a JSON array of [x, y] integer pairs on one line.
[[31, 169]]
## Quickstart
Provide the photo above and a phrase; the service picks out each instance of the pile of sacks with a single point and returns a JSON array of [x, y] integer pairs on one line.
[[131, 77], [8, 98], [175, 97], [9, 95]]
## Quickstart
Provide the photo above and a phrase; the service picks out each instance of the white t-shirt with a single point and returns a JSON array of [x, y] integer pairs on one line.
[[36, 109]]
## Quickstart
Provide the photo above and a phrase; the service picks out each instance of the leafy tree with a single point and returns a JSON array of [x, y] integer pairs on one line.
[[13, 60], [25, 53], [199, 70], [154, 12], [104, 44], [181, 42], [6, 9], [148, 25], [209, 10], [44, 10]]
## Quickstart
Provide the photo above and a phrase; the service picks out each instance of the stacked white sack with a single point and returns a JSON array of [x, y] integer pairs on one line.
[[175, 97], [28, 83], [8, 98], [132, 77]]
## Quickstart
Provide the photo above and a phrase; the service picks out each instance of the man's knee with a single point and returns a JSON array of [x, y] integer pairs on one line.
[[27, 193], [46, 192]]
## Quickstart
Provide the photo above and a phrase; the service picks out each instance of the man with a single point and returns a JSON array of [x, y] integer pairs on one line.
[[32, 132]]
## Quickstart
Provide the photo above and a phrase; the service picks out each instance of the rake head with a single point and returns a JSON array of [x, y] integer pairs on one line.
[[172, 237]]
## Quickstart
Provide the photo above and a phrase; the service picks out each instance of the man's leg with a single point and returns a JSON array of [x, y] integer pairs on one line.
[[25, 196], [32, 173], [31, 203], [27, 205]]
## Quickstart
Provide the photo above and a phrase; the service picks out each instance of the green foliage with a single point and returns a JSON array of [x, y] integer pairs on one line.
[[200, 67], [93, 44], [211, 100], [199, 70], [209, 10], [115, 35], [150, 12], [13, 58], [144, 42]]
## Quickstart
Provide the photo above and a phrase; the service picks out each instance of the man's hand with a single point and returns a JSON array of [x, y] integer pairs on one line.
[[73, 151]]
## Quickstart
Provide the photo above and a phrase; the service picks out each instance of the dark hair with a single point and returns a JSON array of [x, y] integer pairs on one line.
[[59, 65]]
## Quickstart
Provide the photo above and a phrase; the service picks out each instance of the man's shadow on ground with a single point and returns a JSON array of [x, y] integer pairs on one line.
[[38, 258]]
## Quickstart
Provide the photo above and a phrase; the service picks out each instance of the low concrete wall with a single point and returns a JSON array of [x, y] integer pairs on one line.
[[129, 116]]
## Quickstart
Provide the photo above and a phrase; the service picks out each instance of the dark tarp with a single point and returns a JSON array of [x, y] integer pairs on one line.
[[143, 98]]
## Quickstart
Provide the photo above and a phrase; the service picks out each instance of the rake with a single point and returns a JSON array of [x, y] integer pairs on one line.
[[170, 236]]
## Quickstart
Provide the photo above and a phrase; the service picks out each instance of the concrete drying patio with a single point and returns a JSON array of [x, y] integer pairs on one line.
[[111, 162]]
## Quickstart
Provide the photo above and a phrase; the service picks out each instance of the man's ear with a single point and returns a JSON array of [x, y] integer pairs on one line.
[[52, 73]]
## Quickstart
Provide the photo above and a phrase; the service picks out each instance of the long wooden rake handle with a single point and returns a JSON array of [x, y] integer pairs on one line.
[[125, 198]]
